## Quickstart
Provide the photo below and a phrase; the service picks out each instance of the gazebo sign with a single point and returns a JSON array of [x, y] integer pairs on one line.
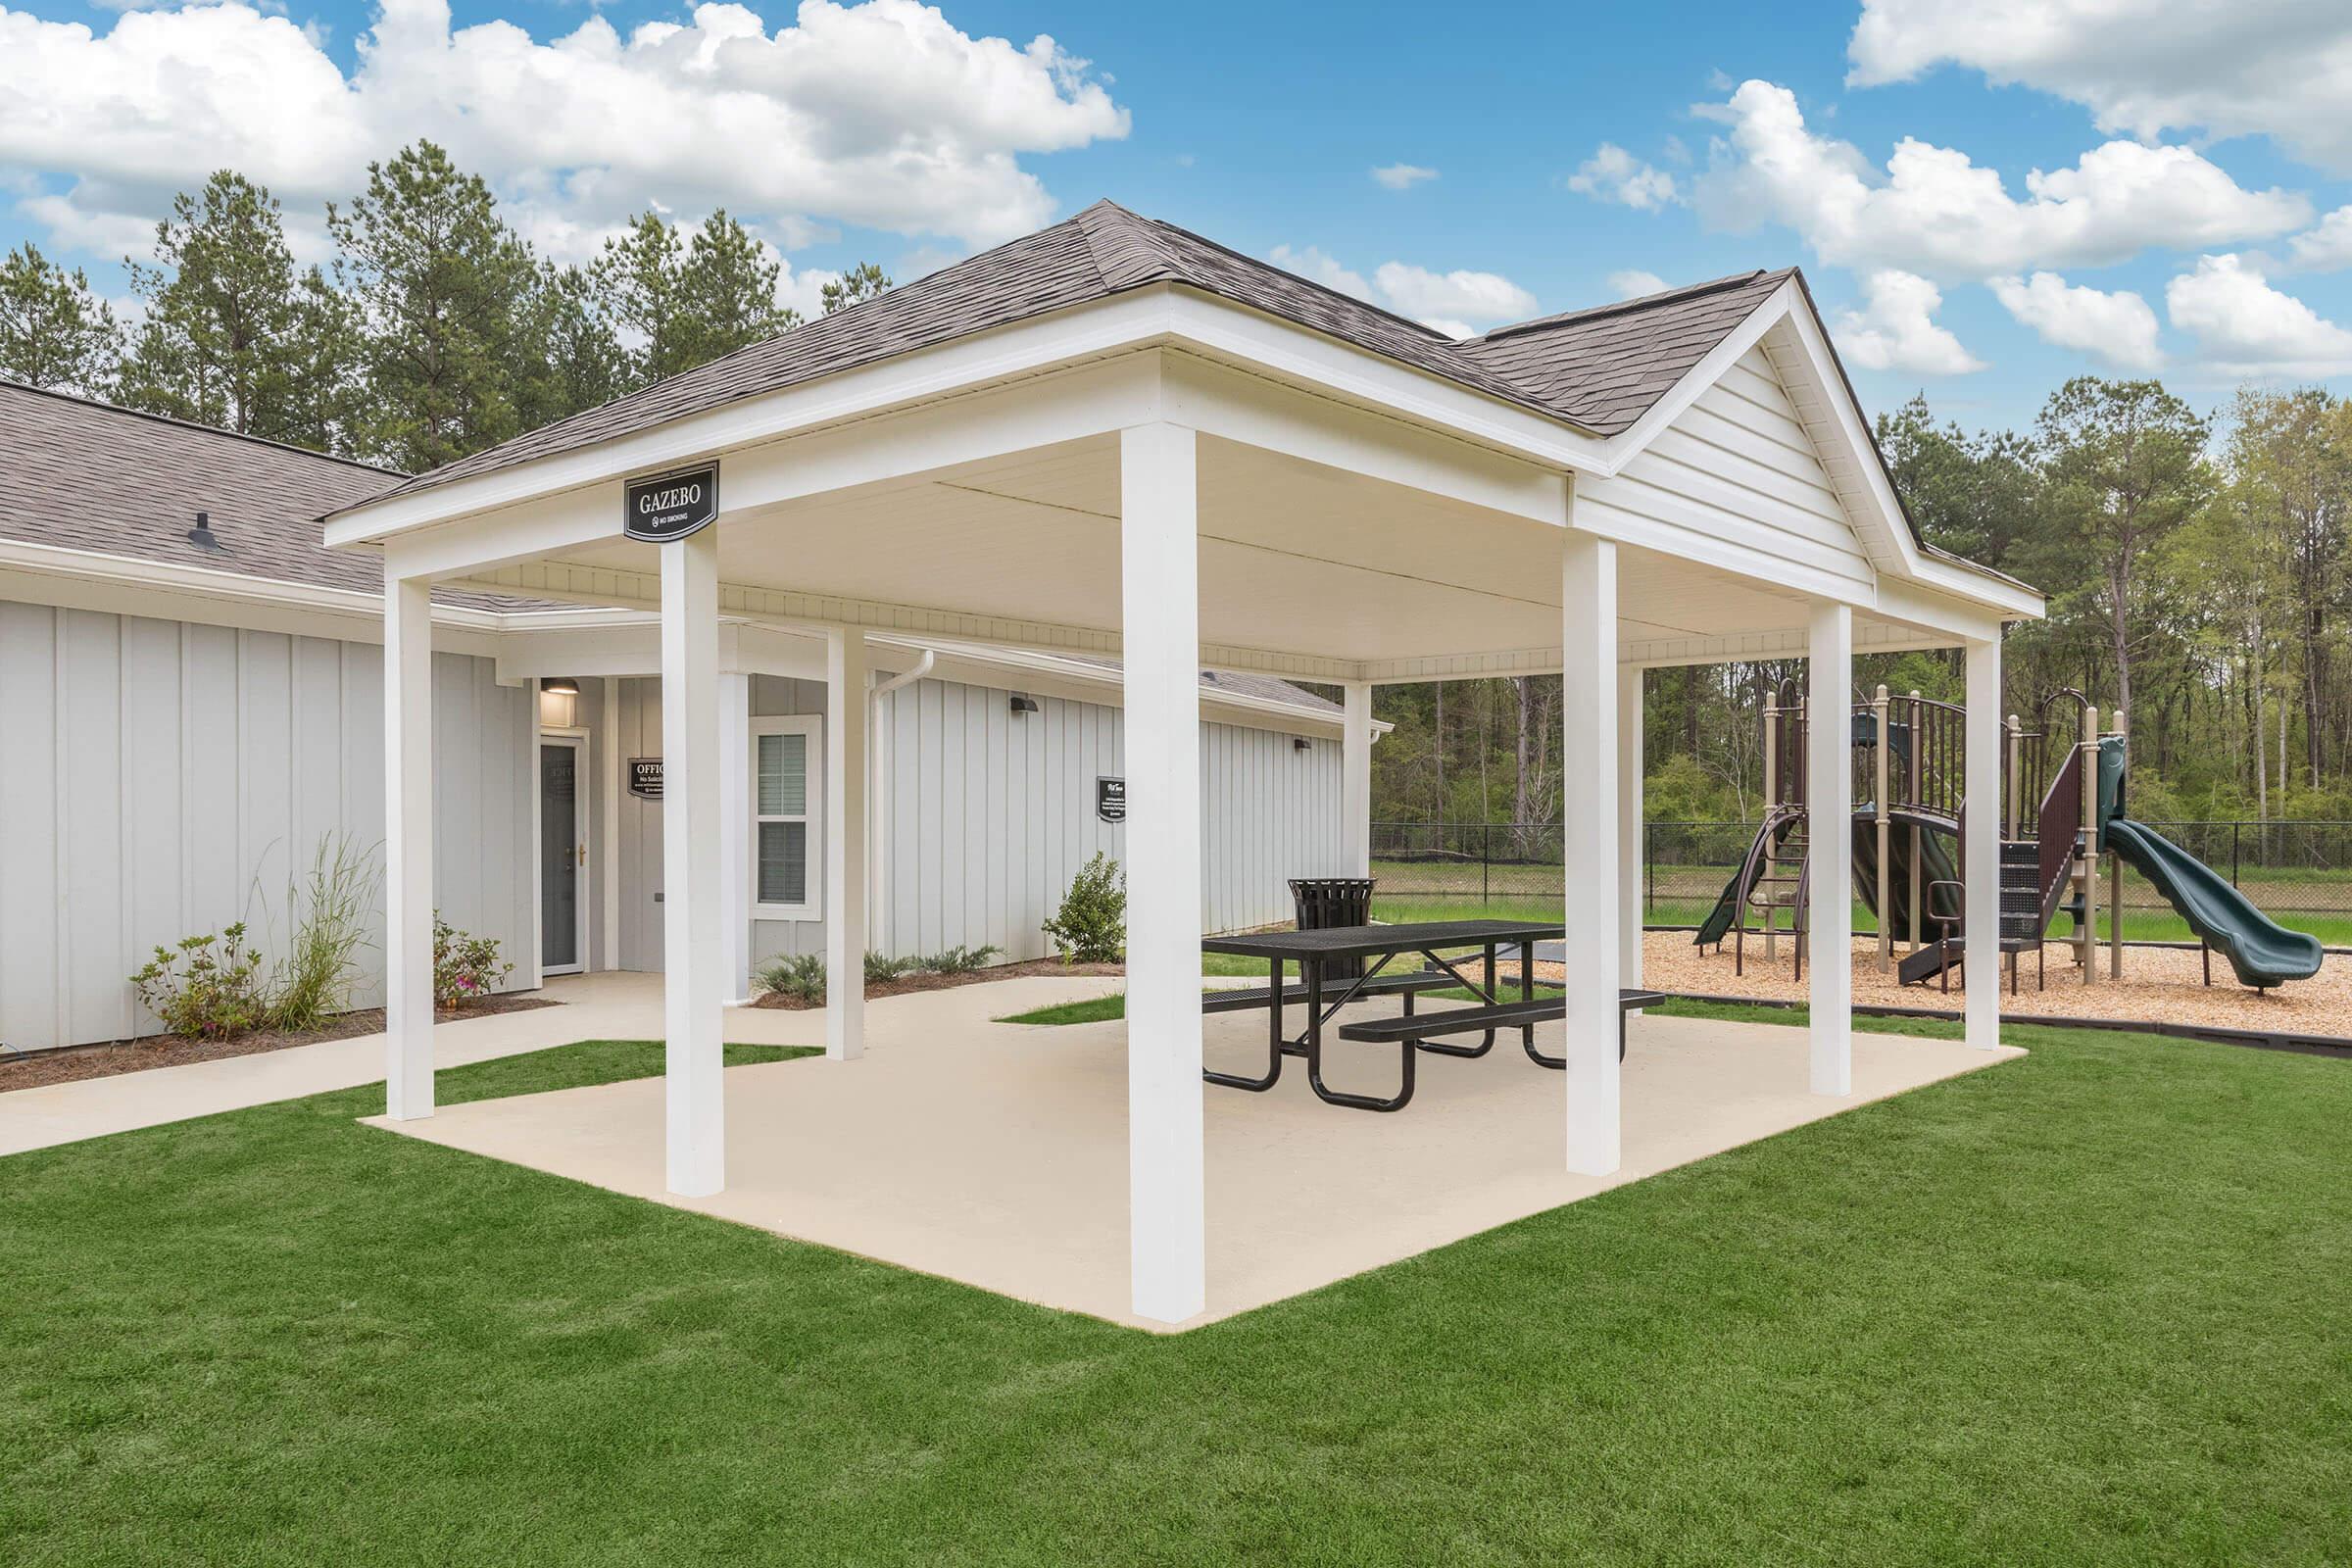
[[645, 777], [671, 506], [1110, 798]]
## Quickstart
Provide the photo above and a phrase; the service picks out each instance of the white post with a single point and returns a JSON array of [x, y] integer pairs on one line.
[[1981, 850], [1355, 780], [735, 830], [409, 847], [1629, 866], [693, 983], [845, 843], [608, 809], [1159, 623], [1588, 754], [1829, 844]]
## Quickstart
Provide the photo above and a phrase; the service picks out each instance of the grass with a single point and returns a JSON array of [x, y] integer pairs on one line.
[[2087, 1308]]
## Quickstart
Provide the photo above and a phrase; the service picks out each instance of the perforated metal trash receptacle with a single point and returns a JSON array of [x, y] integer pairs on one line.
[[1323, 901]]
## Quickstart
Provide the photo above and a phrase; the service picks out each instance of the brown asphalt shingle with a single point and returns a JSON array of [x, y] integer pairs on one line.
[[1598, 370], [85, 475]]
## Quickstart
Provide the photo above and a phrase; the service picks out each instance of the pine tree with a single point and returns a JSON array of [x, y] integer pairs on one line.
[[441, 285], [855, 286], [323, 390], [221, 311], [637, 276], [54, 332], [686, 303], [578, 359]]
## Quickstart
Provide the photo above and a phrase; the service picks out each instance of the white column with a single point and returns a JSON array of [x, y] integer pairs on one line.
[[1981, 848], [609, 809], [735, 830], [1160, 631], [1829, 844], [1629, 825], [694, 959], [1355, 780], [845, 843], [409, 847], [1588, 772]]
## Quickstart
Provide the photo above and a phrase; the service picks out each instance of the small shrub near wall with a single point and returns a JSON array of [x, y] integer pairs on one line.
[[1091, 926], [207, 988], [465, 967]]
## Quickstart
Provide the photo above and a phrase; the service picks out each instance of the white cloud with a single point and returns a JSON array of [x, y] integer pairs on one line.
[[2327, 247], [2119, 327], [1421, 293], [1404, 176], [1931, 210], [1633, 283], [2246, 328], [2276, 68], [882, 113], [1896, 328], [1444, 301], [1311, 262], [1613, 175]]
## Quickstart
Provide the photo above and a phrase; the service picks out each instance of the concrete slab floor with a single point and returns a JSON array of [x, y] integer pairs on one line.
[[995, 1154]]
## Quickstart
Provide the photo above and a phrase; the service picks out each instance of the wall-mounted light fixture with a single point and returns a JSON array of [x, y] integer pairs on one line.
[[1299, 743], [559, 703], [1023, 703]]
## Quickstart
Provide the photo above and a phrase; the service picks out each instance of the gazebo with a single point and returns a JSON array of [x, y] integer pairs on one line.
[[1113, 437]]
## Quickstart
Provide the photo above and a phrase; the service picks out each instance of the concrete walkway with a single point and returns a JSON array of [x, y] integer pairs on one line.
[[596, 1007]]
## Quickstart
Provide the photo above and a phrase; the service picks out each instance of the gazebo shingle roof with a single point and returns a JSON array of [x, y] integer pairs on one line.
[[1597, 369]]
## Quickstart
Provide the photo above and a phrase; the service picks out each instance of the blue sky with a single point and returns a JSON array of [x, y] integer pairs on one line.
[[2191, 154]]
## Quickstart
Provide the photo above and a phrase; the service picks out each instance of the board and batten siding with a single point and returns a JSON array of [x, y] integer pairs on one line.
[[987, 814], [991, 813], [1738, 467], [162, 779]]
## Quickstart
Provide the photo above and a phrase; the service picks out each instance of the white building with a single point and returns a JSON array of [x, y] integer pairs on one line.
[[182, 722], [1117, 437]]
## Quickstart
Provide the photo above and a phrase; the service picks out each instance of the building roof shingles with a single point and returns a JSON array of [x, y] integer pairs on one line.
[[87, 475], [1597, 369]]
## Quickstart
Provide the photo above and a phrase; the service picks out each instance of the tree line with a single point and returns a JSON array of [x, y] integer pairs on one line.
[[434, 330], [2195, 565]]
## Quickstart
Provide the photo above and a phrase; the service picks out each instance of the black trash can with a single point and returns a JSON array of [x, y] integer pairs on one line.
[[1323, 901]]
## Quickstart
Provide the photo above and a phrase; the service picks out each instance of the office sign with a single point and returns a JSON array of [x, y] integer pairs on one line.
[[645, 777], [671, 506], [1110, 798]]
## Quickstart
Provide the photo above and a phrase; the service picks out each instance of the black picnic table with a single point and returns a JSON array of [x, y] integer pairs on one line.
[[1414, 1033]]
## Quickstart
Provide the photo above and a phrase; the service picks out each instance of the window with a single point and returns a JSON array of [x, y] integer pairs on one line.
[[785, 817]]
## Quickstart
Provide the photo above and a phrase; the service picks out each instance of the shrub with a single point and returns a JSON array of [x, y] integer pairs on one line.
[[880, 967], [1091, 926], [465, 967], [330, 919], [800, 976], [207, 988], [962, 959]]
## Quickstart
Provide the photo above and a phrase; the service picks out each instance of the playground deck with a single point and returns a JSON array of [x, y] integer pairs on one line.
[[2159, 985]]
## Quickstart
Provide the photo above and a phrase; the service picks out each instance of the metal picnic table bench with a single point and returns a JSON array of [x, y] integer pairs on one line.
[[1325, 994]]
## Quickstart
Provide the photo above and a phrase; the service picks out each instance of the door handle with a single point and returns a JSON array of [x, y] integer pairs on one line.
[[583, 855]]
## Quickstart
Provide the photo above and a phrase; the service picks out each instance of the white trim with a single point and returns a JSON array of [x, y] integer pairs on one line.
[[812, 727]]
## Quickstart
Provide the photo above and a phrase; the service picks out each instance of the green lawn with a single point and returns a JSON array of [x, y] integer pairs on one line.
[[2088, 1307]]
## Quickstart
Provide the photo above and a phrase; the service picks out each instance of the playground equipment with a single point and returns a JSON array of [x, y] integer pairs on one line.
[[2061, 816]]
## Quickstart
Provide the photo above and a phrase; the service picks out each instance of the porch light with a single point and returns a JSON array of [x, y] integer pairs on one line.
[[559, 686], [1023, 703]]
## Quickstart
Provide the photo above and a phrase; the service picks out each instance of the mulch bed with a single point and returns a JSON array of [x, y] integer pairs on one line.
[[34, 1068], [941, 982]]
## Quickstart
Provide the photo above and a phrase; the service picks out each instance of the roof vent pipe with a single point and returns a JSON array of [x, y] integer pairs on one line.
[[201, 536]]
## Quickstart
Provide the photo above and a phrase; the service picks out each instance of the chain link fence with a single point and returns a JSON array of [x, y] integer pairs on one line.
[[2298, 873]]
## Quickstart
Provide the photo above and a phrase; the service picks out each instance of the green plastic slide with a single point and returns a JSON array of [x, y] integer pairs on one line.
[[2261, 950]]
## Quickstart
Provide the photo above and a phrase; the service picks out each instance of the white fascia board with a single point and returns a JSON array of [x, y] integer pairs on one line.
[[127, 585], [1101, 327], [1219, 399], [1284, 350]]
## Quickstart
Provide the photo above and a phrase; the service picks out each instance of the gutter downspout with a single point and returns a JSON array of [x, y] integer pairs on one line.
[[878, 784]]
